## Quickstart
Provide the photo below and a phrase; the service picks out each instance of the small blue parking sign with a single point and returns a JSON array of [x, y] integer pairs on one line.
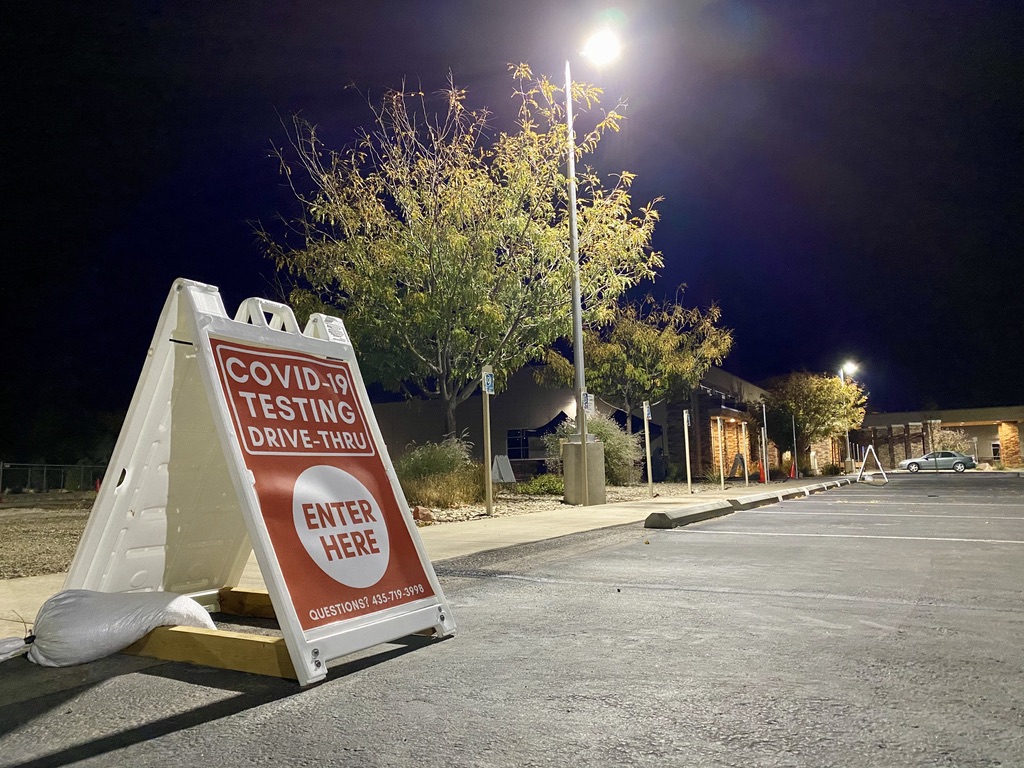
[[488, 381]]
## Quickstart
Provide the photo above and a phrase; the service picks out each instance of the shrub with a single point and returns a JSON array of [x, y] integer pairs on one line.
[[446, 490], [711, 475], [621, 451], [952, 440], [440, 475], [421, 461], [830, 470], [541, 485]]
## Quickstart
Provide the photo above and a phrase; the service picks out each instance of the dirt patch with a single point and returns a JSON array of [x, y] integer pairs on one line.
[[36, 541]]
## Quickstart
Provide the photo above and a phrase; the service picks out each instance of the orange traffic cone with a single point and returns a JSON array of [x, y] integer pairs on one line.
[[792, 471], [760, 472]]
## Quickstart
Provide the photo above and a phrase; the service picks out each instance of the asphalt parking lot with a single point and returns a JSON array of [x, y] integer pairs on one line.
[[872, 625]]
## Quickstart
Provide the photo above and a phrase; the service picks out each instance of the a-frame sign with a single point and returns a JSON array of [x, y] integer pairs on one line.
[[864, 465], [247, 435]]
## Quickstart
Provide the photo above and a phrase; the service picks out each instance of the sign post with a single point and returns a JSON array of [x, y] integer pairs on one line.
[[746, 455], [249, 435], [487, 381], [686, 440], [581, 420], [647, 445], [796, 465], [721, 454], [764, 437]]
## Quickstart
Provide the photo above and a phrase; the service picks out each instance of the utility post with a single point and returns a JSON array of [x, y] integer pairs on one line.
[[647, 444], [487, 384]]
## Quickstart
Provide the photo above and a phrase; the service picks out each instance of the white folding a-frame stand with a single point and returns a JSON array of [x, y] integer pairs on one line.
[[247, 435], [864, 465]]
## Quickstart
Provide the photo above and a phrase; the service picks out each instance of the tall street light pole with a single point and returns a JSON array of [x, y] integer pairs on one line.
[[601, 48], [849, 367], [577, 300]]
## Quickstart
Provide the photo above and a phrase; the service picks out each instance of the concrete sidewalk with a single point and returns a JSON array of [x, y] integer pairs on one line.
[[20, 599]]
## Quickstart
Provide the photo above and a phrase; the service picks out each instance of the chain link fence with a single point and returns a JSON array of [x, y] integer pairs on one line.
[[40, 478]]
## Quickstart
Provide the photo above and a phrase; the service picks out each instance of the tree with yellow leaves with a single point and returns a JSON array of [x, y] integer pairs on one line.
[[444, 243]]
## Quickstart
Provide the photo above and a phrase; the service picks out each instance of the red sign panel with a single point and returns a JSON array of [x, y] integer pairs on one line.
[[332, 516]]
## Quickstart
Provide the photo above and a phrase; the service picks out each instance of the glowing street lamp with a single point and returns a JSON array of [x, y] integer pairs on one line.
[[601, 48], [848, 369]]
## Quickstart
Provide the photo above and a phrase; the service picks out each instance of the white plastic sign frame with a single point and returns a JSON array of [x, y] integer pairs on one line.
[[247, 435], [864, 464]]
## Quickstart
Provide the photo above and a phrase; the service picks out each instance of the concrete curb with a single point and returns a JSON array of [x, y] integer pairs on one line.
[[692, 513], [756, 500], [707, 510]]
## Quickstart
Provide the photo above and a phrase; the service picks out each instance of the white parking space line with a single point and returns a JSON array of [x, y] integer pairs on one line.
[[903, 502], [878, 514], [706, 531]]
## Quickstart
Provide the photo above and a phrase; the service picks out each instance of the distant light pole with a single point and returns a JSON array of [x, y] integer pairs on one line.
[[848, 369], [601, 48]]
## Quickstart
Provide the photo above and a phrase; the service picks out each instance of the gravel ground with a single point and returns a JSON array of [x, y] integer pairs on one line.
[[35, 541], [39, 532], [508, 503]]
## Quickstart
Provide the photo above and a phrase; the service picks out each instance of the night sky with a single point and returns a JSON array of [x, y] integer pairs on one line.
[[845, 178]]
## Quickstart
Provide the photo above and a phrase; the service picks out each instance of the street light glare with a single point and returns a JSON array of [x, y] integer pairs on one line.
[[848, 369], [602, 47]]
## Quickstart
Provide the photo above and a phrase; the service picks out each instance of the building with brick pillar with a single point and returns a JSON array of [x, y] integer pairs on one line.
[[1009, 443], [721, 398], [994, 432]]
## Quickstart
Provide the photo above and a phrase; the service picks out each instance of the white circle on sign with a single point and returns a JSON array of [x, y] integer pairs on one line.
[[341, 526]]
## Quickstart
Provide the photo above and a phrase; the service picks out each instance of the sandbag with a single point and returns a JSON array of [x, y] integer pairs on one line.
[[13, 646], [78, 625]]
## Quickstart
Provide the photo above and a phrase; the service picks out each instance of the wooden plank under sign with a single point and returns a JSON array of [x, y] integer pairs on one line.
[[225, 649], [258, 654], [246, 602], [239, 651]]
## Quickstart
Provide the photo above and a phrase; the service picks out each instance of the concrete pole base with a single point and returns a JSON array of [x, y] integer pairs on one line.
[[572, 472]]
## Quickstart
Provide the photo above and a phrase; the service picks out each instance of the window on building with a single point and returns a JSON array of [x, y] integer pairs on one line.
[[995, 451], [517, 444]]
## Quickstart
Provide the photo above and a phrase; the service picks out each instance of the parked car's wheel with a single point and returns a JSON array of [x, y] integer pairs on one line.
[[913, 466], [959, 467]]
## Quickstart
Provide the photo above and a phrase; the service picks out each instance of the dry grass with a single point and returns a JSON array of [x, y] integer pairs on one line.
[[447, 490]]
